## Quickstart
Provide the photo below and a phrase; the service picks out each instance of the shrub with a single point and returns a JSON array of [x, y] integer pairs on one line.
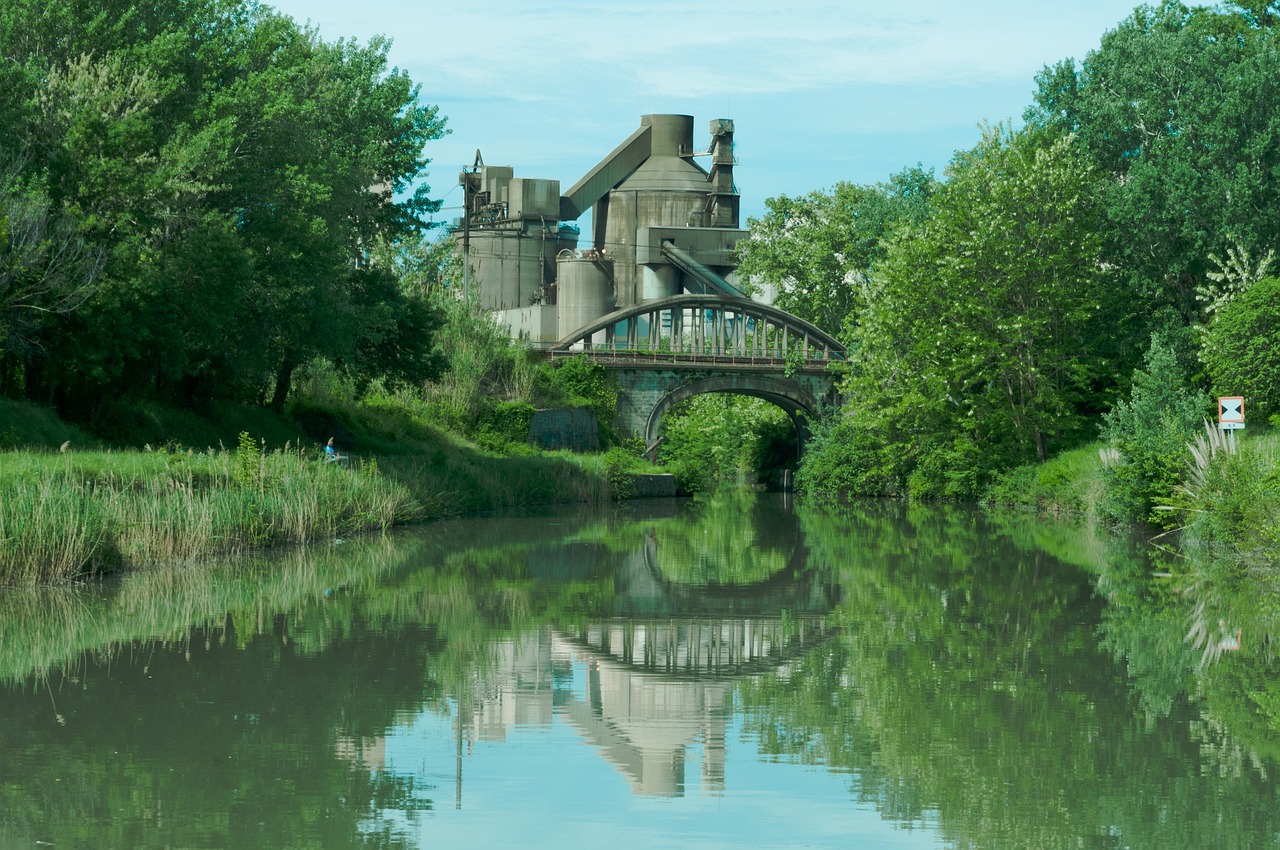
[[503, 427], [846, 458], [1147, 436], [1242, 348]]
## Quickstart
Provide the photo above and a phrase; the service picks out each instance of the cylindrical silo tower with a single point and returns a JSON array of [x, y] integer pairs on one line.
[[667, 190], [585, 290]]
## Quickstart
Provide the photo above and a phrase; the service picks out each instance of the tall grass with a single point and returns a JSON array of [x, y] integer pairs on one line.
[[1070, 483], [68, 516], [65, 517], [1231, 493]]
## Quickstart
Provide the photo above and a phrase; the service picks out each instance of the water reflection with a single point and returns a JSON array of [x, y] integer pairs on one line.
[[879, 675]]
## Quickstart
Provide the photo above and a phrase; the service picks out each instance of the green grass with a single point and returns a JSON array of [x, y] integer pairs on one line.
[[1070, 483], [76, 514]]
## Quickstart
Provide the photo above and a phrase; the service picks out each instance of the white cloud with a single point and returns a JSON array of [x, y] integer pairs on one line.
[[670, 48]]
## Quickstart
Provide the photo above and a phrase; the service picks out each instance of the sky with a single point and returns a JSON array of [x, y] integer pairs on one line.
[[820, 91]]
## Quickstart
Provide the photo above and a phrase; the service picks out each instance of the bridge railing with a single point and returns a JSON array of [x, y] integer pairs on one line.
[[660, 357], [707, 326]]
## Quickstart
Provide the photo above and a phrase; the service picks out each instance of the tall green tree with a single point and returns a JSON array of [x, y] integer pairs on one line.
[[1242, 348], [234, 171], [816, 251], [982, 340], [1180, 107]]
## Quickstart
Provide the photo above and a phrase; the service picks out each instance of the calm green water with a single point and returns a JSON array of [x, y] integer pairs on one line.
[[731, 673]]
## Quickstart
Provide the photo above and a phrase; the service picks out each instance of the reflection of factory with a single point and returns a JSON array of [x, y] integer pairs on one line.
[[661, 225], [642, 692]]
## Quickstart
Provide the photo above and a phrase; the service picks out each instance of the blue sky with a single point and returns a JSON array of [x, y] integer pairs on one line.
[[819, 91]]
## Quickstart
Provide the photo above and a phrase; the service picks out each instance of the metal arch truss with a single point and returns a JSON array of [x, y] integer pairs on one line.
[[706, 329]]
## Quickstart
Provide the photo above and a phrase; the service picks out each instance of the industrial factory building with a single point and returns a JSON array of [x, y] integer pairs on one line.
[[662, 224]]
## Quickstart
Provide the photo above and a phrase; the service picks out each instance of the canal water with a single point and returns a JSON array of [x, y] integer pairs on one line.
[[731, 672]]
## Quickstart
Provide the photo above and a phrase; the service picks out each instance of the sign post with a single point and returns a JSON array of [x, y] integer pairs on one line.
[[1231, 412]]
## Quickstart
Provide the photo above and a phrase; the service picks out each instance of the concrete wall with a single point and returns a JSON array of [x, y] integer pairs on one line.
[[538, 323], [574, 428]]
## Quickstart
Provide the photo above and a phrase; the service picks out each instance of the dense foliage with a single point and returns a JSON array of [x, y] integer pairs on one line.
[[710, 440], [189, 192], [981, 340], [815, 251], [1242, 349], [1148, 436], [997, 322]]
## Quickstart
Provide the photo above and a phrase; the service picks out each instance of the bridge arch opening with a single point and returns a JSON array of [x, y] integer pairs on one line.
[[795, 404], [711, 438], [791, 398]]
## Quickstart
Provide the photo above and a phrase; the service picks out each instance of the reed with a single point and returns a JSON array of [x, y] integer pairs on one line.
[[49, 629], [51, 530], [69, 516]]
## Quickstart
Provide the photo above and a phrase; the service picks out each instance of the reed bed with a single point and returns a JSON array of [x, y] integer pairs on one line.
[[70, 516], [49, 629], [65, 517]]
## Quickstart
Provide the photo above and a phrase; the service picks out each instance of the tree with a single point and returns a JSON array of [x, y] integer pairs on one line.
[[1148, 436], [1242, 348], [233, 172], [1180, 107], [45, 266], [816, 250], [980, 344]]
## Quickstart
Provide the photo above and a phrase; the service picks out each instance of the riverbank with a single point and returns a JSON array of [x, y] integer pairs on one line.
[[78, 513], [1228, 495]]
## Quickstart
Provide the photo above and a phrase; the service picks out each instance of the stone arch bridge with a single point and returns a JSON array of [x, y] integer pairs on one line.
[[663, 352]]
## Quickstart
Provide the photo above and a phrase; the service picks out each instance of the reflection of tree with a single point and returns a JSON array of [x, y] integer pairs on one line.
[[242, 706], [1203, 626], [967, 688], [218, 743], [46, 629], [734, 537], [962, 683]]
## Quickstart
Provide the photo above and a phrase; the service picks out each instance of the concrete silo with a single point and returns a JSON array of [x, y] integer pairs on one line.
[[661, 225]]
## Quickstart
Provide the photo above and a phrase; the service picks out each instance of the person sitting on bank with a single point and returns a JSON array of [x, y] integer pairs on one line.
[[331, 454]]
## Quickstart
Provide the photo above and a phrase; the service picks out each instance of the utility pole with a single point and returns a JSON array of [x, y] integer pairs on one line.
[[466, 225]]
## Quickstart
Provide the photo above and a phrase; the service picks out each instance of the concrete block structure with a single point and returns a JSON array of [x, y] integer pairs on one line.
[[662, 224]]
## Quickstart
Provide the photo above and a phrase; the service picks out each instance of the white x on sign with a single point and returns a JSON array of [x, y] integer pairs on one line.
[[1231, 409]]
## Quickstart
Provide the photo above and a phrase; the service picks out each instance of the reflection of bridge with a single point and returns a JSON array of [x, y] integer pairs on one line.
[[671, 349], [651, 680], [647, 690], [642, 589]]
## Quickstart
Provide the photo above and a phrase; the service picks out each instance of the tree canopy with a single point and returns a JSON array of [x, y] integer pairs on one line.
[[982, 335], [191, 190], [815, 251], [1180, 107]]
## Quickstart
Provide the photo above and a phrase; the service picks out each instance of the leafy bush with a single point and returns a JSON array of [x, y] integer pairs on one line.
[[845, 458], [1242, 349], [955, 471], [1147, 438], [712, 438], [579, 382], [503, 427]]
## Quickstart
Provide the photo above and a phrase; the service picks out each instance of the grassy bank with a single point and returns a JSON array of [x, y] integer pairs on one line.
[[1071, 483], [81, 512], [71, 514], [1227, 495]]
